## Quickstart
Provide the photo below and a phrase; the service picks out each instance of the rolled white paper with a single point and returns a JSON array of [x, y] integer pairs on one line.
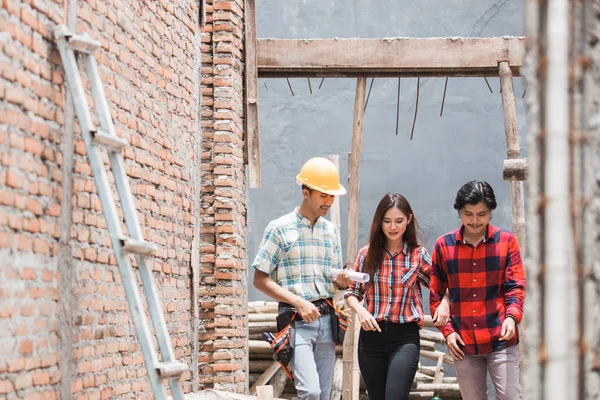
[[353, 275]]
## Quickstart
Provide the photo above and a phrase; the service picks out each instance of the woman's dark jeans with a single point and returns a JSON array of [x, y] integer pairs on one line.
[[389, 359]]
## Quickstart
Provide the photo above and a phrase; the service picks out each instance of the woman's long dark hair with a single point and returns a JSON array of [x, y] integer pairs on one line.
[[377, 238]]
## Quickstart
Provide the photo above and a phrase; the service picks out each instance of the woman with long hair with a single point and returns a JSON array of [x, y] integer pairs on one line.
[[392, 314]]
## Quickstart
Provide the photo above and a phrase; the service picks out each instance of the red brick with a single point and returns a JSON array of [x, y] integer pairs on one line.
[[41, 378], [14, 180], [6, 386], [23, 381]]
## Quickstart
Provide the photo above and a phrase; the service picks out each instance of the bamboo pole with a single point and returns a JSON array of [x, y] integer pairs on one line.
[[511, 129], [262, 317], [262, 307], [351, 376]]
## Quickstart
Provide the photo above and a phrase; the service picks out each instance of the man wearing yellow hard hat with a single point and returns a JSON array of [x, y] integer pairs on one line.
[[293, 266]]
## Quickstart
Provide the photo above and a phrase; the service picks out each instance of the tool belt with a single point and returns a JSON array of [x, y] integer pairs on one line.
[[283, 342], [339, 323], [323, 305]]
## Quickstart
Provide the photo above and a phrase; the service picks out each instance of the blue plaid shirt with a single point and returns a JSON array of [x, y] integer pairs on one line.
[[300, 257]]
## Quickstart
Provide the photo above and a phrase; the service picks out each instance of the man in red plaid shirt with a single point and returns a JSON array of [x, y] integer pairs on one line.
[[480, 266]]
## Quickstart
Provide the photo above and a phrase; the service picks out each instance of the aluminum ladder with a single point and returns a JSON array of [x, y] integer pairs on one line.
[[95, 139]]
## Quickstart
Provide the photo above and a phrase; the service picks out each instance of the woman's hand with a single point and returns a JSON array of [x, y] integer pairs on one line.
[[367, 321], [442, 313]]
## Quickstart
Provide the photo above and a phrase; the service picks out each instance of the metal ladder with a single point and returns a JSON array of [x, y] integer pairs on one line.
[[124, 246]]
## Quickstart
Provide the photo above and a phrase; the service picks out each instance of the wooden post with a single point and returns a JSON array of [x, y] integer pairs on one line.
[[334, 216], [252, 141], [511, 129], [334, 210], [351, 377]]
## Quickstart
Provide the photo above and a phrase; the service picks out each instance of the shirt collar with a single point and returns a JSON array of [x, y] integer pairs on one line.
[[304, 220], [489, 230], [404, 250]]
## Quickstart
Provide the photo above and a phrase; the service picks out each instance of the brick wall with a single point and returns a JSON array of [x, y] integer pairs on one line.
[[223, 241], [64, 321]]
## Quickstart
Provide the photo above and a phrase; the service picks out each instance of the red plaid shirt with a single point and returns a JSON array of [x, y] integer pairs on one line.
[[485, 283], [395, 293]]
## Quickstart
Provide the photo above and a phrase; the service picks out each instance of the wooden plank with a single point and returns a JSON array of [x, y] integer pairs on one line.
[[336, 387], [511, 129], [264, 392], [439, 371], [440, 389], [211, 394], [351, 376], [432, 336], [252, 141], [278, 382], [265, 377], [434, 355], [515, 169], [388, 57]]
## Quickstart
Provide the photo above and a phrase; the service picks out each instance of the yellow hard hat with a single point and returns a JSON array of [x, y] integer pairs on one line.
[[321, 174]]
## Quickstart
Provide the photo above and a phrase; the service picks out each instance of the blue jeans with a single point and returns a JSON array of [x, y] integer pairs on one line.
[[314, 358]]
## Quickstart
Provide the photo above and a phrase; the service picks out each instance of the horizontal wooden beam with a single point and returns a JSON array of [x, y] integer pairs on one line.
[[515, 169], [389, 57]]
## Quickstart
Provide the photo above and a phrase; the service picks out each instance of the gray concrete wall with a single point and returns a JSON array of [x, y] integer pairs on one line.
[[467, 143]]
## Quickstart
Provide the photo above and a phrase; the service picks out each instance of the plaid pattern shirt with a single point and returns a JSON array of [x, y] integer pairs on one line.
[[395, 293], [485, 283], [300, 257]]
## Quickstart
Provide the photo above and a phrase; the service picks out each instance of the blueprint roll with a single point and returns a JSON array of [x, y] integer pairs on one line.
[[353, 275]]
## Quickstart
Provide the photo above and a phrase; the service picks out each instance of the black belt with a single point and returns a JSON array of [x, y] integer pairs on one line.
[[321, 304]]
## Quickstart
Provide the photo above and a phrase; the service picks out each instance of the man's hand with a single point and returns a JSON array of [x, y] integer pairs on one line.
[[508, 329], [307, 310], [452, 341], [367, 321], [342, 281]]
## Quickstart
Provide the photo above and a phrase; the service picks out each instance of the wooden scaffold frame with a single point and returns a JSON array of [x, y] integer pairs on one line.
[[501, 57]]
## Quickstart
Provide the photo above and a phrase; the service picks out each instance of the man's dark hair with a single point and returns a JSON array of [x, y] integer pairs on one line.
[[475, 192], [310, 190]]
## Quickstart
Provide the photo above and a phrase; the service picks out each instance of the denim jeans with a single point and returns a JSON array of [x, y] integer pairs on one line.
[[314, 358], [503, 366], [388, 360]]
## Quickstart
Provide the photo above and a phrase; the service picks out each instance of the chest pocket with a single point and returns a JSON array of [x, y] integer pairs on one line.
[[288, 271], [409, 275], [291, 247]]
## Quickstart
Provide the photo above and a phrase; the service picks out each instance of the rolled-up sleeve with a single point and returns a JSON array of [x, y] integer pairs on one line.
[[357, 289], [425, 267], [270, 251]]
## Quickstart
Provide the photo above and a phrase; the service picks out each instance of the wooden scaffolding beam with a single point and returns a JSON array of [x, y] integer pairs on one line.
[[252, 138], [388, 57], [511, 128], [351, 374]]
